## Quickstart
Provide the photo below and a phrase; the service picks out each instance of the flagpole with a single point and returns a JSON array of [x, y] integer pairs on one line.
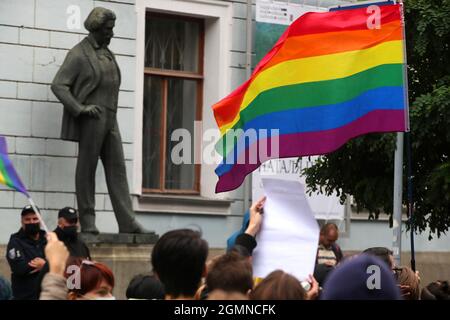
[[397, 205], [35, 209], [248, 69], [410, 198], [397, 197], [408, 146]]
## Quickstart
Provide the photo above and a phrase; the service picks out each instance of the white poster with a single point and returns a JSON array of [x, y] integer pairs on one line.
[[323, 207], [289, 233]]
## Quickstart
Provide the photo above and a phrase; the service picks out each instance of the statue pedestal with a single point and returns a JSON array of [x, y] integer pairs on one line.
[[127, 255], [119, 238]]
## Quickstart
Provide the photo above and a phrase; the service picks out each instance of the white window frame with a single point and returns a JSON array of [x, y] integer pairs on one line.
[[218, 17]]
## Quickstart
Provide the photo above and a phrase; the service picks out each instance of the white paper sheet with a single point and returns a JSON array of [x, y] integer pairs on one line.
[[324, 207], [289, 234]]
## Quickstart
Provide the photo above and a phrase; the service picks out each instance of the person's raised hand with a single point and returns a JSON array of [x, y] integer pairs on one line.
[[56, 253], [256, 211]]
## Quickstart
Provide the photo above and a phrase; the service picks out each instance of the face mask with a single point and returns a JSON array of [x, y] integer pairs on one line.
[[70, 232], [32, 229]]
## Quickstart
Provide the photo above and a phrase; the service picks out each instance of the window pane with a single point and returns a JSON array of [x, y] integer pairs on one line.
[[181, 110], [152, 132], [172, 44]]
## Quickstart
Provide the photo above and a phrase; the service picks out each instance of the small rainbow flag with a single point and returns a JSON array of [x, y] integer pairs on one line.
[[8, 175], [332, 76]]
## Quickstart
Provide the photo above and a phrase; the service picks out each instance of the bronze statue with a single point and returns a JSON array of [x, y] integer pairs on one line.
[[87, 84]]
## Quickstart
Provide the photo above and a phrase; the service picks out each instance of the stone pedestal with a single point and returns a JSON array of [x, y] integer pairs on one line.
[[125, 260], [119, 238], [126, 254]]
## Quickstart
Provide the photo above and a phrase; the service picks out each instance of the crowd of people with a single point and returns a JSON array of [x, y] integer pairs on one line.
[[58, 266]]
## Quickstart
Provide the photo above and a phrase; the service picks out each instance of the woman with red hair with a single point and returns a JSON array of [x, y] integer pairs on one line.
[[89, 280], [74, 278]]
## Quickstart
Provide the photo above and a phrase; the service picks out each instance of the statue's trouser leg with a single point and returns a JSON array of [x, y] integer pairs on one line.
[[116, 179], [92, 132]]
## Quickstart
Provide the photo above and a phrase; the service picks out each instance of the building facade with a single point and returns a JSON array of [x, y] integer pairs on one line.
[[177, 58]]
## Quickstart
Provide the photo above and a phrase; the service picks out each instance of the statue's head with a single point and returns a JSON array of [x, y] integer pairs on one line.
[[100, 23]]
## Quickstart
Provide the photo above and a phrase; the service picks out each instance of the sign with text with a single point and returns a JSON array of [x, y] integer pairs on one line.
[[281, 12], [272, 19], [289, 169]]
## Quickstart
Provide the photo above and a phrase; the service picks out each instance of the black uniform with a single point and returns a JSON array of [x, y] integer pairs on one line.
[[20, 251], [76, 247]]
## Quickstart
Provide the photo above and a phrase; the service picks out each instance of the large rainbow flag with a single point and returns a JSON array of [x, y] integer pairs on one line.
[[331, 77], [8, 175]]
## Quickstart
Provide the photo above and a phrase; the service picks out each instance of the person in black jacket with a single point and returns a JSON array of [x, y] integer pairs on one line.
[[25, 255], [67, 232]]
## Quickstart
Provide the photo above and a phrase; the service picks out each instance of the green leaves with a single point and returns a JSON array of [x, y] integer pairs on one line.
[[364, 167]]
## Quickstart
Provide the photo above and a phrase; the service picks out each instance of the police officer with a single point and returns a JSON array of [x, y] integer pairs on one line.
[[67, 232], [25, 255]]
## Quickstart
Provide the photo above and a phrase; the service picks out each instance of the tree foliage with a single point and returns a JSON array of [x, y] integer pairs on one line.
[[364, 167]]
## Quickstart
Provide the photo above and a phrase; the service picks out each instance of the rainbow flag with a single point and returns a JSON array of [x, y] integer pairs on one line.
[[8, 175], [332, 76]]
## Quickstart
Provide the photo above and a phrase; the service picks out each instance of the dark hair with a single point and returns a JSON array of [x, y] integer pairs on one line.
[[97, 18], [178, 259], [279, 285], [381, 252], [91, 275], [145, 286], [439, 290], [241, 250], [230, 272], [326, 227]]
